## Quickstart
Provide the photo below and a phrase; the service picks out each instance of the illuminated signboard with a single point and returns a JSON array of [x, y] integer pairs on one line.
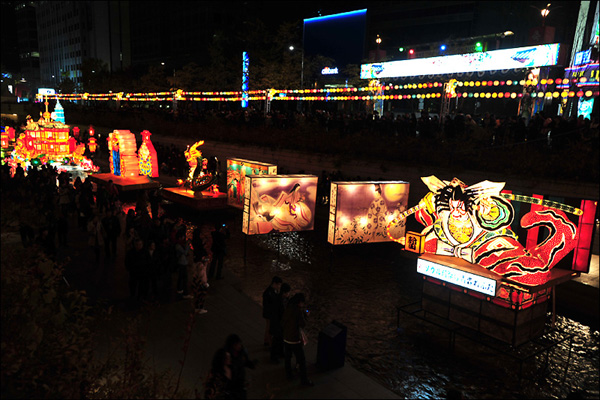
[[46, 91], [587, 71], [279, 203], [582, 57], [359, 212], [585, 107], [237, 170], [520, 57], [329, 71], [455, 276]]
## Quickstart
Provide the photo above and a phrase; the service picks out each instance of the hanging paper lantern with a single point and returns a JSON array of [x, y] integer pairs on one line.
[[92, 145]]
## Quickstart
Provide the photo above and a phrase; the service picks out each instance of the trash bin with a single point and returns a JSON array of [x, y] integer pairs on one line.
[[331, 350]]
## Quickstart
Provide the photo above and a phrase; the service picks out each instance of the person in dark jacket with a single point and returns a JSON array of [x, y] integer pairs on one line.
[[269, 301], [275, 328], [112, 229], [218, 381], [239, 361], [292, 322], [219, 249], [137, 261]]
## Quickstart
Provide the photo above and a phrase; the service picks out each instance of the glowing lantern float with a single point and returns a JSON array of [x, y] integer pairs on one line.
[[129, 159], [148, 161], [123, 159]]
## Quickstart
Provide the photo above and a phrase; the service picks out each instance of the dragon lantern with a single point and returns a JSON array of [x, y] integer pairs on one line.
[[198, 179]]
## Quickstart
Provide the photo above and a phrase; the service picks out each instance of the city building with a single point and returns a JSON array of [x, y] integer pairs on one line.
[[70, 32]]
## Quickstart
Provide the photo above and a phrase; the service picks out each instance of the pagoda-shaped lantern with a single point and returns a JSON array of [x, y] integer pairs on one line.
[[59, 113]]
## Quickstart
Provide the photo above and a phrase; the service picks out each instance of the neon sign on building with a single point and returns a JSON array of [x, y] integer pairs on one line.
[[329, 71], [520, 57]]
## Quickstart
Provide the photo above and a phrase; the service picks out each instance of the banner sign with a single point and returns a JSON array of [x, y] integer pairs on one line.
[[520, 57], [457, 277]]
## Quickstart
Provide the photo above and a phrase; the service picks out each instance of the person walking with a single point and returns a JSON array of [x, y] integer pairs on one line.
[[199, 277], [199, 285], [182, 249], [218, 381], [269, 300], [239, 362], [275, 328], [96, 235], [293, 323], [219, 250]]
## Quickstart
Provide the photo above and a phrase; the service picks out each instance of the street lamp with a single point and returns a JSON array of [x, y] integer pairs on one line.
[[545, 13], [378, 41]]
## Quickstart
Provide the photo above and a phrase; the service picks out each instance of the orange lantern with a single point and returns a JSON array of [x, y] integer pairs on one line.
[[4, 139], [92, 144]]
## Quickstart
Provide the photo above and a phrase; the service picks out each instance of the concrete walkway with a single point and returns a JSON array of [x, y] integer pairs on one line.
[[230, 311], [163, 326]]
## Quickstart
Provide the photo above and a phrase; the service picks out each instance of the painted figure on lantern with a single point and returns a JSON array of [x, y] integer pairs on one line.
[[236, 177], [113, 150], [473, 223], [237, 170], [287, 213]]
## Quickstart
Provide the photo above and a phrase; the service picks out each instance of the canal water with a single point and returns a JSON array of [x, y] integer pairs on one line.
[[360, 286]]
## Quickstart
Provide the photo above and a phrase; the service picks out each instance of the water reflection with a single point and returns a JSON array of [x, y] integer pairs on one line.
[[361, 285]]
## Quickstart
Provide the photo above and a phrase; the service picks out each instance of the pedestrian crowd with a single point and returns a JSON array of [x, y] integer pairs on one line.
[[156, 248]]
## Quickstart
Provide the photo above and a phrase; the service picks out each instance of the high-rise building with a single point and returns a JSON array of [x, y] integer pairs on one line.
[[29, 55], [63, 40], [71, 31]]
